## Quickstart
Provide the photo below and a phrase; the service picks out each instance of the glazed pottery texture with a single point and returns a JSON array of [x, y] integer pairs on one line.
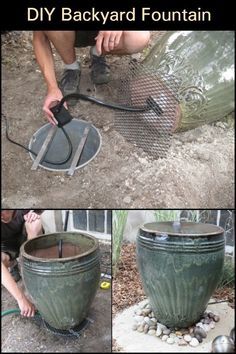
[[180, 265], [62, 289], [199, 67]]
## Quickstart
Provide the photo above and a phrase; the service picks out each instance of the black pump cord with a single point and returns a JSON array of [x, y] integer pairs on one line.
[[86, 98], [32, 152], [101, 103]]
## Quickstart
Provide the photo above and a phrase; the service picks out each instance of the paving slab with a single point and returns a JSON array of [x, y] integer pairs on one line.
[[133, 341]]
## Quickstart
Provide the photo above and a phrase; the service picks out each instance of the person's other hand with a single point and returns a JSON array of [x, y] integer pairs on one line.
[[107, 40], [31, 216], [52, 98], [26, 307]]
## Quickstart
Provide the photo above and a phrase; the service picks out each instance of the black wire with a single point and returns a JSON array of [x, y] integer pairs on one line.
[[105, 104], [32, 152]]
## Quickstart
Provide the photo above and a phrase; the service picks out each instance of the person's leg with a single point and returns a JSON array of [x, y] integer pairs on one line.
[[6, 259], [64, 43], [132, 42], [33, 229]]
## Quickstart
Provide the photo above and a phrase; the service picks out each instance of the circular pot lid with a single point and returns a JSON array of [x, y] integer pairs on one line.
[[59, 147], [182, 228]]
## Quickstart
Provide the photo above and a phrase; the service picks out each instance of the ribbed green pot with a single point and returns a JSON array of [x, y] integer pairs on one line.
[[180, 266], [62, 289]]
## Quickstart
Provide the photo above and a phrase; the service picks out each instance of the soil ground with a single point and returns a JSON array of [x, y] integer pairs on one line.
[[26, 335], [198, 171]]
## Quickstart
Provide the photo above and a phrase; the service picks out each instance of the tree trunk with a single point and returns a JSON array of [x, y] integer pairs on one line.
[[198, 68]]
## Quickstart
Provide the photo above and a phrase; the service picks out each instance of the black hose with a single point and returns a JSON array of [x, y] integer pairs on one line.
[[66, 220], [60, 248], [32, 152], [101, 103]]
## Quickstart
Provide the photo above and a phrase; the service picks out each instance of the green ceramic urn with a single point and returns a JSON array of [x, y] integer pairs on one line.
[[198, 68], [61, 273], [180, 266]]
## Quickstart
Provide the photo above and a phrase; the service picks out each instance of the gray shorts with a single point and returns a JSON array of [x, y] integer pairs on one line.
[[85, 38]]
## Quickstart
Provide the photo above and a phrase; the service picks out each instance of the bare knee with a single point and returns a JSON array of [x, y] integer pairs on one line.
[[5, 259], [135, 41], [34, 228]]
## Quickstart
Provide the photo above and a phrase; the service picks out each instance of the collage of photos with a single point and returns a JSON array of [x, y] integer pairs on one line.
[[117, 208], [130, 281]]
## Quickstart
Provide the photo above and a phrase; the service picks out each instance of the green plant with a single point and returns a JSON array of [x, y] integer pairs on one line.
[[119, 218], [167, 215], [227, 277], [176, 215]]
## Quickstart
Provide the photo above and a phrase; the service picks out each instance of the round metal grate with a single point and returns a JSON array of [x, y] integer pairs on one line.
[[59, 146]]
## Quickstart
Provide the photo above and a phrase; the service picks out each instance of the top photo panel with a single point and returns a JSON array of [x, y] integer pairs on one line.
[[118, 119]]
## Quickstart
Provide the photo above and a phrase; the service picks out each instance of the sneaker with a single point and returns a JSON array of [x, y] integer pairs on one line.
[[69, 82], [100, 70], [15, 273]]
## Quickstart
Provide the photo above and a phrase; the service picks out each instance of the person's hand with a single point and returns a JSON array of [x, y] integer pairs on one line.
[[52, 98], [31, 216], [26, 307], [107, 41]]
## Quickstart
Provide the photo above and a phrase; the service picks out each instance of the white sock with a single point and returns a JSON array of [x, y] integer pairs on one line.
[[93, 51], [73, 66]]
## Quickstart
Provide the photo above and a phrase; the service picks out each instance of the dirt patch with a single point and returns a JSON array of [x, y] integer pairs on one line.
[[25, 335], [127, 276], [198, 171]]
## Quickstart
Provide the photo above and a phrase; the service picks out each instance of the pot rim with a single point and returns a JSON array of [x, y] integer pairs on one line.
[[148, 227], [23, 253]]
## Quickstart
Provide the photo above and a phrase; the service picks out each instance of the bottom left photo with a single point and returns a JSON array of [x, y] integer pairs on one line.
[[56, 280]]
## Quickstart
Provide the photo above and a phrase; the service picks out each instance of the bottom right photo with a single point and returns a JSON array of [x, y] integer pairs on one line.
[[173, 281]]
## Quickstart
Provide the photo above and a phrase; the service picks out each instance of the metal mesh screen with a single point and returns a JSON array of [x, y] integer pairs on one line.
[[151, 130]]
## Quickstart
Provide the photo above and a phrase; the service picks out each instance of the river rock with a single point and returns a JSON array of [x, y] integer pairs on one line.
[[207, 321], [166, 331], [154, 320], [153, 327], [158, 331], [170, 340], [216, 318], [187, 338], [152, 332], [200, 331], [164, 338], [182, 342], [140, 328], [212, 325], [206, 327], [178, 333], [194, 342], [211, 315], [134, 327], [138, 312], [163, 327], [176, 340], [146, 328], [146, 311], [199, 338], [138, 319]]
